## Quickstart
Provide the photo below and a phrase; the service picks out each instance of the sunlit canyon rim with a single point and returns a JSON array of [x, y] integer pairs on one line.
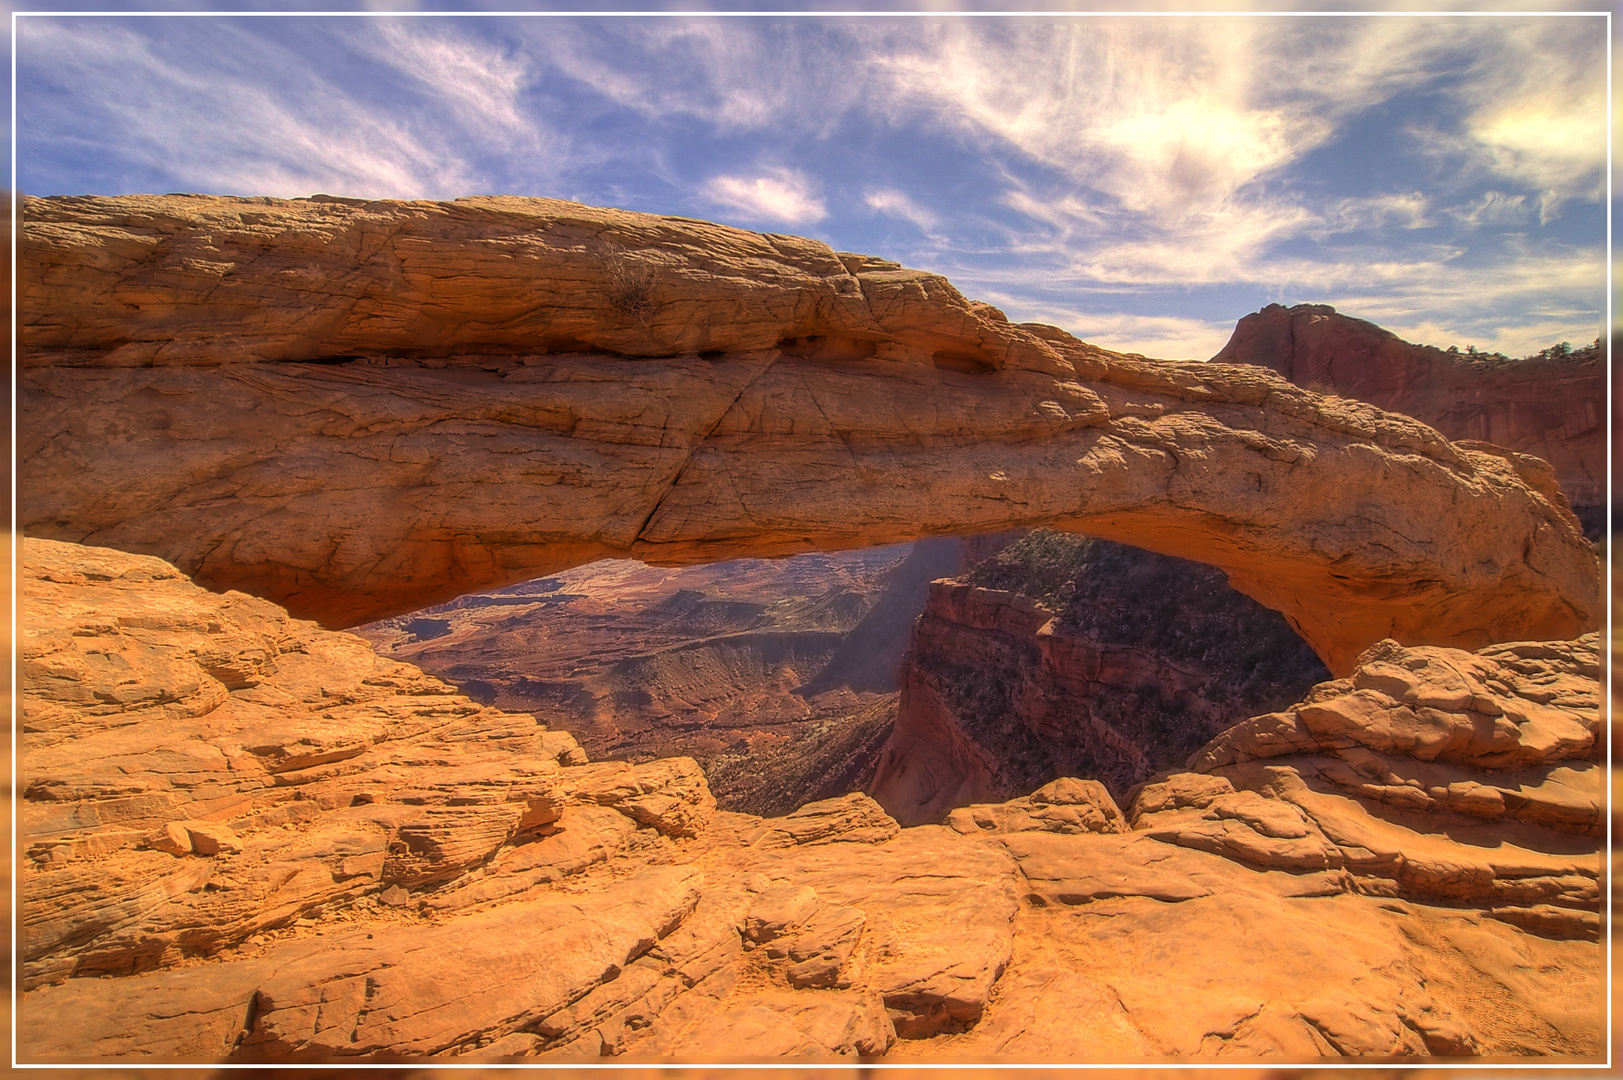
[[343, 410]]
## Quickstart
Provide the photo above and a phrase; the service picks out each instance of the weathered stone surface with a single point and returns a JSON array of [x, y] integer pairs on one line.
[[212, 838], [584, 837], [1551, 408], [1429, 773], [1211, 959], [853, 818], [765, 396], [593, 929], [477, 976], [308, 279], [1066, 805], [777, 1026], [823, 949], [779, 910], [408, 990], [165, 815]]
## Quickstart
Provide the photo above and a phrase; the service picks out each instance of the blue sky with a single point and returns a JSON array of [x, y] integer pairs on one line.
[[1142, 182]]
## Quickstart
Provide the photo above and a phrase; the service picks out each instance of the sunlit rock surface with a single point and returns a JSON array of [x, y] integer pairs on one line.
[[1552, 406], [358, 409], [279, 847]]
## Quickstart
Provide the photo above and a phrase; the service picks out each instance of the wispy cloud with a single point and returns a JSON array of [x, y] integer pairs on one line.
[[735, 75], [226, 132], [1159, 117], [1493, 208], [480, 83], [1144, 180], [898, 204], [1404, 210], [778, 195], [1538, 111]]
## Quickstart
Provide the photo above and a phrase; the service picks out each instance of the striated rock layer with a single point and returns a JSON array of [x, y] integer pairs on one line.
[[1553, 407], [1431, 773], [361, 408], [1087, 659], [252, 840]]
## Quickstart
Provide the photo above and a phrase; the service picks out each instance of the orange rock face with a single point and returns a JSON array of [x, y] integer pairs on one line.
[[1502, 745], [395, 872], [360, 409], [1553, 408]]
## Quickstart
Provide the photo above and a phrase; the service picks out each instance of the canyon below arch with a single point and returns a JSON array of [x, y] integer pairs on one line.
[[245, 424]]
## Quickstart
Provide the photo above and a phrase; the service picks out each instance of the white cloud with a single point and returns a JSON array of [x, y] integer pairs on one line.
[[237, 134], [1165, 118], [1168, 337], [1493, 208], [1539, 111], [1396, 210], [480, 83], [898, 204], [1168, 143], [777, 195], [1082, 243]]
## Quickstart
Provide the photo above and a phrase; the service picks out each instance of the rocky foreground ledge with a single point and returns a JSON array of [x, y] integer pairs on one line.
[[249, 839]]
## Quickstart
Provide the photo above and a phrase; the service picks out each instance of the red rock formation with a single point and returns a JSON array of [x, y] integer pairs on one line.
[[1000, 693], [396, 871], [1550, 407], [764, 395], [1433, 774]]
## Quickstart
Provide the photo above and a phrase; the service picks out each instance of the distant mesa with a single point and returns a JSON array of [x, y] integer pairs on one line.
[[1552, 406]]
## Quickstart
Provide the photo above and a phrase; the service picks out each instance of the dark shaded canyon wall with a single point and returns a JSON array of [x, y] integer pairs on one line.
[[1090, 659]]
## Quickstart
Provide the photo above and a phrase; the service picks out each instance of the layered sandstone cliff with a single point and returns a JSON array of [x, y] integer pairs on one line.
[[1552, 406], [360, 408], [250, 839], [1085, 659]]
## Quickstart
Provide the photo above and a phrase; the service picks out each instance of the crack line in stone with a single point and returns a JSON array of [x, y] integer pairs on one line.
[[698, 443]]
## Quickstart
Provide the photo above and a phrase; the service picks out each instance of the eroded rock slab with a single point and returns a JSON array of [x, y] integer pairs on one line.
[[422, 879], [1430, 773]]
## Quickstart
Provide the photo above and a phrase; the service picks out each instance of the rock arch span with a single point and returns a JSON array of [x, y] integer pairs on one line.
[[358, 409]]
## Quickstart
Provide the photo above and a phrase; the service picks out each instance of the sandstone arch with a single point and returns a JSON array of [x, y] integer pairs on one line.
[[359, 408]]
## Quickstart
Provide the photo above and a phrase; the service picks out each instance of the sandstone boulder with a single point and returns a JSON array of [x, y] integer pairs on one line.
[[1430, 773], [1066, 805], [853, 818]]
